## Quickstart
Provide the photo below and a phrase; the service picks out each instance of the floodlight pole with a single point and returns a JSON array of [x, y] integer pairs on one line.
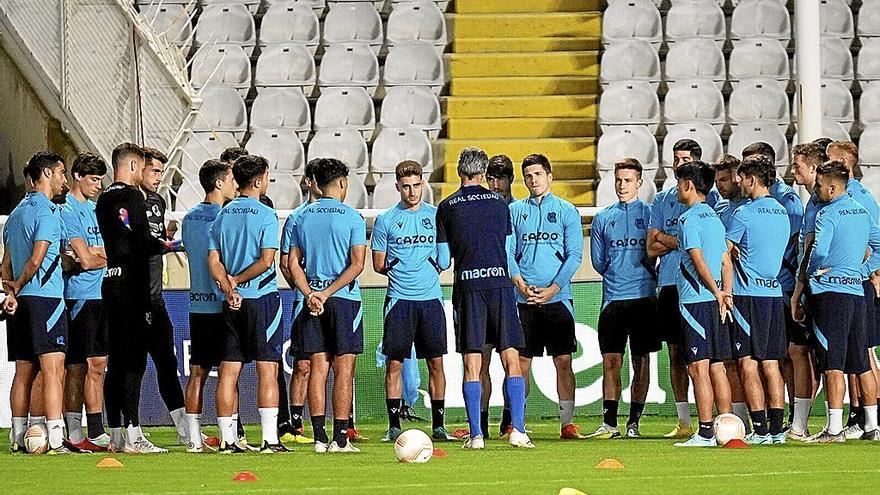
[[807, 54]]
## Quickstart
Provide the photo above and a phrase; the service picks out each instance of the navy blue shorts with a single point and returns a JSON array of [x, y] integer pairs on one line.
[[669, 316], [548, 326], [205, 342], [797, 333], [484, 317], [839, 325], [40, 328], [87, 331], [872, 315], [339, 330], [253, 332], [632, 319], [705, 337], [758, 328], [296, 322], [419, 323]]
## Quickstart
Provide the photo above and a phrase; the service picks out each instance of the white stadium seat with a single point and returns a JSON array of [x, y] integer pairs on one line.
[[869, 105], [290, 22], [836, 19], [760, 18], [868, 68], [317, 6], [869, 20], [830, 129], [346, 107], [694, 101], [357, 196], [836, 59], [252, 5], [286, 65], [411, 107], [353, 22], [349, 65], [837, 103], [222, 110], [393, 146], [629, 103], [420, 20], [281, 147], [282, 108], [702, 19], [695, 59], [414, 64], [704, 134], [229, 23], [633, 60], [227, 65], [346, 145], [757, 99], [285, 190], [632, 19], [172, 21], [203, 146], [635, 141], [752, 132], [759, 58], [869, 145]]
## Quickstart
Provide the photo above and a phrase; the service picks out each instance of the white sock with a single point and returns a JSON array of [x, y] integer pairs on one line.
[[741, 410], [684, 412], [194, 426], [835, 421], [134, 433], [19, 427], [38, 420], [74, 426], [56, 432], [227, 429], [566, 411], [801, 414], [179, 417], [269, 424], [870, 417]]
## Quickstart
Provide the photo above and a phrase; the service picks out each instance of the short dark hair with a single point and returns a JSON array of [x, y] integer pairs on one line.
[[154, 154], [210, 172], [727, 163], [823, 142], [629, 164], [329, 169], [407, 168], [40, 161], [760, 167], [309, 171], [690, 146], [247, 168], [700, 173], [124, 151], [760, 148], [813, 152], [87, 163], [230, 155], [536, 159], [834, 170], [500, 166]]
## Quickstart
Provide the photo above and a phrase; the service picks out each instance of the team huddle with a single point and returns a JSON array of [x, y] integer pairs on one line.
[[752, 292]]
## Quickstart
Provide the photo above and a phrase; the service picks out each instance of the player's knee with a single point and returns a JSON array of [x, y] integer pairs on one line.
[[611, 362], [303, 368]]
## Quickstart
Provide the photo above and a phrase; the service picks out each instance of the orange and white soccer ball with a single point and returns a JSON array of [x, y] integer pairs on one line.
[[36, 440], [413, 446], [728, 427]]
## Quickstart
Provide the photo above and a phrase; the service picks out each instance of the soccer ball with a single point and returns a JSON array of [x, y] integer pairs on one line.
[[728, 427], [36, 440], [413, 446]]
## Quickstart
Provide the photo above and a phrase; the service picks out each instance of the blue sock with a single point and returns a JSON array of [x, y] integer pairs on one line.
[[472, 402], [516, 394]]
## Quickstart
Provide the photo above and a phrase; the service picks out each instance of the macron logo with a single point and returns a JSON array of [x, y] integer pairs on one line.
[[738, 345], [478, 273], [694, 350]]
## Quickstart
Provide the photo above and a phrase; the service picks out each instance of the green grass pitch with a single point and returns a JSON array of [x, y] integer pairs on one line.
[[652, 465]]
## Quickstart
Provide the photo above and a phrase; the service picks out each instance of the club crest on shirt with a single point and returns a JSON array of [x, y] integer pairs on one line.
[[640, 223], [551, 217], [426, 223]]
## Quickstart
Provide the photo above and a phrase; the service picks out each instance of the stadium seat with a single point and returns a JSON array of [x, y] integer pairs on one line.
[[751, 132], [868, 68], [869, 20], [411, 107], [353, 22], [281, 147], [695, 59], [222, 110], [694, 101], [226, 65], [420, 20], [350, 65], [172, 21], [618, 142], [290, 22], [252, 5], [836, 19], [830, 129], [704, 134], [282, 108], [760, 18], [203, 146], [629, 103], [285, 190], [357, 196], [759, 58], [869, 105], [759, 99], [346, 107], [317, 6], [229, 23], [836, 59], [837, 103], [869, 155], [632, 19], [393, 146], [701, 19], [633, 60], [286, 65], [343, 144], [414, 64]]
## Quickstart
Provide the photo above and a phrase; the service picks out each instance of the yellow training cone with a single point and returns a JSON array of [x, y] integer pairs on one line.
[[609, 464], [571, 491], [110, 462]]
